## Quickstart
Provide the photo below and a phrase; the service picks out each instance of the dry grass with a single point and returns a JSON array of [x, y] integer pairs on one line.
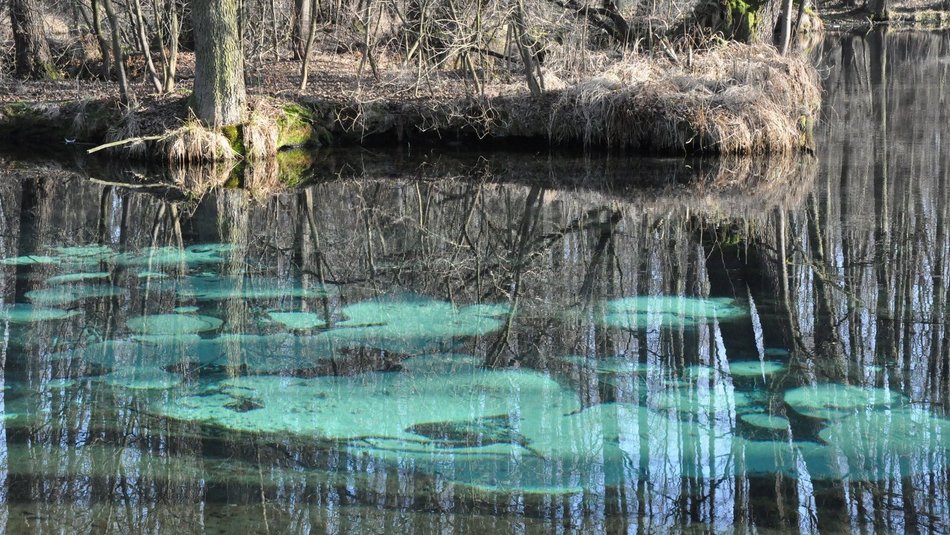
[[261, 132], [735, 99], [128, 127], [193, 143], [730, 99]]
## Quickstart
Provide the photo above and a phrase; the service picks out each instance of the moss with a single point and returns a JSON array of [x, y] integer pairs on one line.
[[51, 72], [297, 128], [235, 135], [741, 19], [294, 166]]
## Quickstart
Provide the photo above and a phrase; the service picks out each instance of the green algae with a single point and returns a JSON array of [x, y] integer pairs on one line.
[[297, 320], [142, 378], [754, 368], [29, 260], [68, 294], [208, 287], [23, 313], [172, 324], [766, 421], [831, 400], [642, 311], [412, 326], [77, 277]]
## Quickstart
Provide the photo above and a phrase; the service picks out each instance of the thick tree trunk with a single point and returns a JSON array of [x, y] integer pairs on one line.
[[33, 58], [219, 95]]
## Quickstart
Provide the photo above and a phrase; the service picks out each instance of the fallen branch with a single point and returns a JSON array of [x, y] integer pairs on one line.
[[123, 142]]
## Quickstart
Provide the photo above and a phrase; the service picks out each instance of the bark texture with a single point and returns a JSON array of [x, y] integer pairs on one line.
[[33, 58], [219, 96]]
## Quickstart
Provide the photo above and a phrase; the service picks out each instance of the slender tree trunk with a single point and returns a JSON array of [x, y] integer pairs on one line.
[[786, 25], [124, 94], [305, 59], [101, 39], [168, 45], [142, 37], [33, 58], [219, 95], [301, 27], [531, 68]]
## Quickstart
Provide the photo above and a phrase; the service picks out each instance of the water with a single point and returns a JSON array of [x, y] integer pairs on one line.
[[520, 344]]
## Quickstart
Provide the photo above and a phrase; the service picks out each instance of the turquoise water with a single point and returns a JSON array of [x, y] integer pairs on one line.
[[474, 346]]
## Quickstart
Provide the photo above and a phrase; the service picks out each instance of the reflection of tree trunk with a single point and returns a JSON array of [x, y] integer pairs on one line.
[[827, 343], [884, 339], [937, 372], [726, 266], [532, 210], [30, 192]]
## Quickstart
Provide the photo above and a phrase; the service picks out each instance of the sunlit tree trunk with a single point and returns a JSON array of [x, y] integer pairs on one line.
[[301, 27], [124, 94], [786, 25], [33, 57], [219, 96]]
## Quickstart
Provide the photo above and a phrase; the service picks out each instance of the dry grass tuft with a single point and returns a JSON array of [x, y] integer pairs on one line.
[[194, 143], [128, 127], [261, 132], [735, 99]]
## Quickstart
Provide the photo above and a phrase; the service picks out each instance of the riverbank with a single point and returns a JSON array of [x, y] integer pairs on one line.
[[844, 16], [732, 99]]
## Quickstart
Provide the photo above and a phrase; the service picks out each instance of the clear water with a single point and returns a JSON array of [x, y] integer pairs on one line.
[[521, 344]]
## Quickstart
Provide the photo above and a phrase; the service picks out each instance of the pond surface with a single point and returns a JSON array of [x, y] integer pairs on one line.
[[523, 343]]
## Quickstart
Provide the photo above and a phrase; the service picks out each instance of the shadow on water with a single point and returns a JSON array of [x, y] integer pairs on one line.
[[445, 342]]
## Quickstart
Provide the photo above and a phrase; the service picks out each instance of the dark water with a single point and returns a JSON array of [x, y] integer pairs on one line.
[[517, 343]]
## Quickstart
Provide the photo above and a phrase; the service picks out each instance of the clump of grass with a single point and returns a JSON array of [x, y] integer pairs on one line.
[[193, 143], [261, 133], [129, 127], [734, 99]]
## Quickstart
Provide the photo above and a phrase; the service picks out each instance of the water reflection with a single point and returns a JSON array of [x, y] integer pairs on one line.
[[462, 347]]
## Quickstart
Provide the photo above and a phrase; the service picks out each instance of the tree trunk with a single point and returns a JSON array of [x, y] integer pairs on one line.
[[33, 58], [879, 10], [301, 27], [124, 94], [786, 25], [305, 58], [101, 39], [219, 95]]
